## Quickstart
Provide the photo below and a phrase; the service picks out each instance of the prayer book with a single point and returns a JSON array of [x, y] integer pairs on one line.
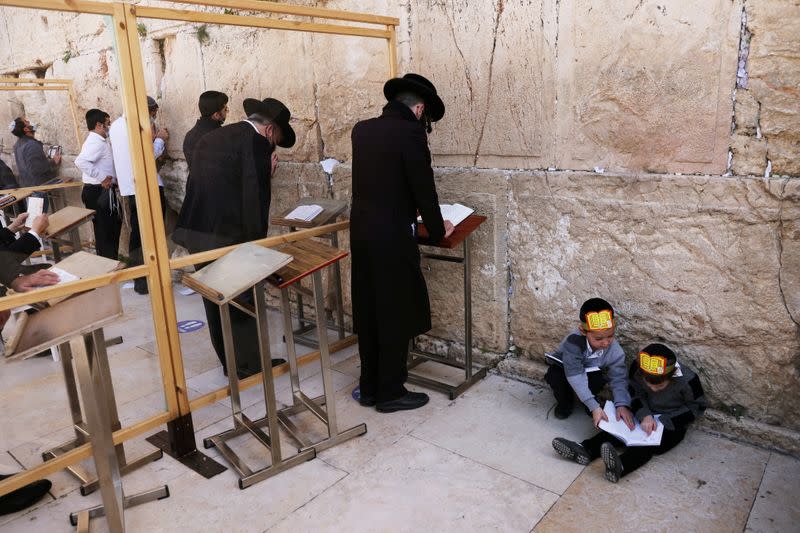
[[455, 213], [306, 213], [63, 275], [35, 207], [7, 199], [552, 358], [631, 437]]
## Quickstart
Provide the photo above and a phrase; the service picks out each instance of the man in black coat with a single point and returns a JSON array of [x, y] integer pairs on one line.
[[392, 181], [213, 112], [227, 202]]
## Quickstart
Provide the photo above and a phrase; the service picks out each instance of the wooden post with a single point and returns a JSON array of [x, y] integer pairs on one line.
[[392, 42]]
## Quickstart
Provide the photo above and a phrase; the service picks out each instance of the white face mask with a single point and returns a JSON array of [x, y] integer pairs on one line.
[[33, 126]]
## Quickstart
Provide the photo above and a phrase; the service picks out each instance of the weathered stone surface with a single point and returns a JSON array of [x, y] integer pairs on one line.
[[749, 155], [746, 112], [774, 70], [484, 191], [693, 261], [645, 86]]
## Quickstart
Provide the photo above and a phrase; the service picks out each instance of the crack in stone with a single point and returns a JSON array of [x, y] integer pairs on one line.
[[780, 255], [499, 10], [451, 23]]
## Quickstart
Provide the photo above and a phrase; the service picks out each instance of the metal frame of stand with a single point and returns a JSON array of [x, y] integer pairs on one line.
[[91, 362], [89, 483], [472, 372], [323, 407], [242, 424]]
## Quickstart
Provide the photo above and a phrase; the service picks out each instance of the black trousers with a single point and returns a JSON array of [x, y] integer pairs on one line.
[[384, 366], [245, 334], [635, 456], [562, 390], [106, 226], [135, 243]]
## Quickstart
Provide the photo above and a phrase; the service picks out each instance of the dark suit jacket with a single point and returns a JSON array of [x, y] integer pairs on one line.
[[228, 190], [392, 179], [14, 251], [202, 126]]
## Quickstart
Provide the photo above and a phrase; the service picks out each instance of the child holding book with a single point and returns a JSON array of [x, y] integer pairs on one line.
[[581, 360], [660, 386]]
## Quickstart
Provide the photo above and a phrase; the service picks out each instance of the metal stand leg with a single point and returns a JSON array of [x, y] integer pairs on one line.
[[337, 282], [301, 402], [89, 482], [471, 374], [241, 423], [89, 352]]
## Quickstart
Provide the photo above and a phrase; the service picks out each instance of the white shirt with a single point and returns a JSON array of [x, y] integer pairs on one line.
[[118, 133], [95, 160]]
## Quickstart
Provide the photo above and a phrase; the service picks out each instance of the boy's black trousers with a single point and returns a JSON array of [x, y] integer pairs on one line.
[[635, 456], [562, 390]]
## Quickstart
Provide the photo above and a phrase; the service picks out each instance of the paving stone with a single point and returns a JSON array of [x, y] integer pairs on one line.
[[776, 507]]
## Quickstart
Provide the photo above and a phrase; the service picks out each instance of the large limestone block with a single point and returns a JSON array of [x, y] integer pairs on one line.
[[704, 264], [774, 70], [452, 45], [749, 155], [486, 192], [646, 85]]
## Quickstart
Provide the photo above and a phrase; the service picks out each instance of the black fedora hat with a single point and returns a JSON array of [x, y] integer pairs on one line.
[[414, 83], [275, 111]]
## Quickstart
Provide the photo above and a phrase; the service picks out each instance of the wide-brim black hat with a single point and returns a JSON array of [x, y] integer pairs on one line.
[[414, 83], [275, 111]]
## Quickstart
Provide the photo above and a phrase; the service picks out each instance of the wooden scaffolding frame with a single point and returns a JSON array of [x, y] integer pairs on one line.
[[41, 84], [157, 264]]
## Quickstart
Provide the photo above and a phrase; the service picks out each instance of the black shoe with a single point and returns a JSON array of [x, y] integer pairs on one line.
[[411, 400], [562, 411], [612, 461], [571, 450], [367, 401], [24, 497], [140, 286]]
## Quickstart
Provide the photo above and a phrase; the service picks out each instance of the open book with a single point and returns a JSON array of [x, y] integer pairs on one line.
[[455, 213], [306, 213], [631, 437], [35, 208]]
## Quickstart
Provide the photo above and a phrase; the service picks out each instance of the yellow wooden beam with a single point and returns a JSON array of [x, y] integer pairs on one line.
[[34, 88], [305, 11], [43, 188], [188, 15], [36, 80], [75, 6]]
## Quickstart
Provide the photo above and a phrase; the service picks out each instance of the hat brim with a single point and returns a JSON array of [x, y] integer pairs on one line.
[[251, 105], [434, 106]]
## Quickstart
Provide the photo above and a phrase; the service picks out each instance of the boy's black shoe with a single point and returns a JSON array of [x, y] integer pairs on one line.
[[562, 411], [367, 401], [411, 400], [571, 450], [24, 497], [612, 461], [140, 286]]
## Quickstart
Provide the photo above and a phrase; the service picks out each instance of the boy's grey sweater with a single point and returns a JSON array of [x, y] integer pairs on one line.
[[574, 353], [681, 402]]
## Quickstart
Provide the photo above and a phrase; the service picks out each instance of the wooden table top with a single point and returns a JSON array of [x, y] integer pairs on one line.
[[67, 218], [309, 256], [330, 210], [462, 231]]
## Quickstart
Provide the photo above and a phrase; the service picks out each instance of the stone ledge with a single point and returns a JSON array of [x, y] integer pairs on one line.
[[743, 429]]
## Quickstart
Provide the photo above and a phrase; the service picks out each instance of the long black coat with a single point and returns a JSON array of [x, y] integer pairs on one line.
[[228, 190], [202, 126], [392, 179]]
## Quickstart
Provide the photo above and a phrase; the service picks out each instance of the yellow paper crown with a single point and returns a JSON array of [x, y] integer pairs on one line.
[[599, 320], [655, 365]]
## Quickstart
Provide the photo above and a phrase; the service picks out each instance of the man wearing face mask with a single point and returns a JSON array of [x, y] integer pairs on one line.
[[227, 202], [392, 181], [213, 112], [96, 164]]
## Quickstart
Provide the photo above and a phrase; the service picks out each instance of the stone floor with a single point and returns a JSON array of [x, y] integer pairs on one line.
[[480, 463]]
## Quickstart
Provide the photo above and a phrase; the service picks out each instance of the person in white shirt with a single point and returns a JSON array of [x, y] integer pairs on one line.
[[99, 179], [118, 133]]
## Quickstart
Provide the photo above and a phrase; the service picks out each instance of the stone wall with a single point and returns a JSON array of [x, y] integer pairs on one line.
[[644, 151]]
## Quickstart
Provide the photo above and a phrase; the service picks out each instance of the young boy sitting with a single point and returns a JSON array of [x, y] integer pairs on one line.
[[659, 386], [591, 346]]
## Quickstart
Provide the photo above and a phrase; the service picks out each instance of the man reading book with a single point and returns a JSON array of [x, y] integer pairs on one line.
[[392, 180]]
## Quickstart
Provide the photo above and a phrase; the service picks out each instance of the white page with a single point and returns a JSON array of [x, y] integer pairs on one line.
[[635, 437], [306, 213], [35, 207], [455, 213], [63, 275]]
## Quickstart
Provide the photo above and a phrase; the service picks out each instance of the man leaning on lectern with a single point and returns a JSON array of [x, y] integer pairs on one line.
[[392, 182]]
